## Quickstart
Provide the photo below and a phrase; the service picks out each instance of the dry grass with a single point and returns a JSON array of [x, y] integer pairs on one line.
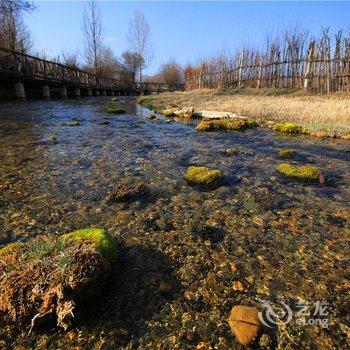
[[317, 112]]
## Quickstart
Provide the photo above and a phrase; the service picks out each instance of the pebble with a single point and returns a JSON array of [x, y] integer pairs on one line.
[[244, 323]]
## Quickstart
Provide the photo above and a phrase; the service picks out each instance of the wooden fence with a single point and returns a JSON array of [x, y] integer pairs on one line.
[[311, 70]]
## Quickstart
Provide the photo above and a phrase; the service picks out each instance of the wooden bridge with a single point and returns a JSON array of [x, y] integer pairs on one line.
[[25, 74]]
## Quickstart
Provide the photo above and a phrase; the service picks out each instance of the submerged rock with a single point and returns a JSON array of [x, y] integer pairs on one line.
[[229, 152], [204, 176], [127, 191], [288, 127], [151, 116], [286, 153], [47, 278], [74, 123], [236, 124], [244, 323], [114, 110], [304, 172]]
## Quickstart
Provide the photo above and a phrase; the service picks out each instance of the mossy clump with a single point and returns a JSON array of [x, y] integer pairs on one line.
[[47, 277], [204, 176], [170, 112], [236, 124], [304, 172], [286, 153], [102, 240], [289, 127], [10, 249], [114, 110]]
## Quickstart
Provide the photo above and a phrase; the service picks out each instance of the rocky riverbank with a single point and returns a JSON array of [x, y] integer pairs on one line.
[[317, 115], [211, 229]]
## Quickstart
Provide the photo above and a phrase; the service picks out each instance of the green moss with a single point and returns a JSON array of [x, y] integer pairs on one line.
[[289, 127], [99, 237], [305, 172], [151, 116], [236, 124], [113, 110], [168, 112], [286, 153], [204, 176], [10, 249], [229, 152], [114, 99]]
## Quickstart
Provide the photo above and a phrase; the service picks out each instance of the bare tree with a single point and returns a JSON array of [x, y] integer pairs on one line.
[[109, 65], [70, 58], [171, 72], [131, 62], [13, 33], [92, 31], [140, 40]]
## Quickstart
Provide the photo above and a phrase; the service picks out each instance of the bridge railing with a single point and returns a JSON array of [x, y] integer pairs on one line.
[[24, 66]]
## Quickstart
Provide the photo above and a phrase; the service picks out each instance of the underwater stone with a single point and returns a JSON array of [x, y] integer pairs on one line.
[[113, 110], [286, 153], [128, 191], [244, 323]]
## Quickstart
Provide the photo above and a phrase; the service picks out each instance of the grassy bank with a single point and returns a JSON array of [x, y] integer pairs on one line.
[[320, 114]]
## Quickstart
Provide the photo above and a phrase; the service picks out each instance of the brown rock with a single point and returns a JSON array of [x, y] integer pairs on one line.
[[244, 323], [237, 285]]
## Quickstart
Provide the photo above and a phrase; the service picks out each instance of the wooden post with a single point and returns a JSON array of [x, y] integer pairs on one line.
[[240, 69], [260, 74], [310, 56]]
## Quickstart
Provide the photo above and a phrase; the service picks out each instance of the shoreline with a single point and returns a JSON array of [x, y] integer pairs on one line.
[[316, 115]]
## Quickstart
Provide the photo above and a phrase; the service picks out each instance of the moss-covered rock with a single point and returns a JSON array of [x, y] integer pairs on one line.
[[286, 153], [204, 176], [46, 278], [169, 112], [114, 110], [304, 172], [288, 127], [235, 124], [10, 249], [102, 240]]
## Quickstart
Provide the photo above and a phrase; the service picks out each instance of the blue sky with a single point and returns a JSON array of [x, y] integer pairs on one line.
[[182, 30]]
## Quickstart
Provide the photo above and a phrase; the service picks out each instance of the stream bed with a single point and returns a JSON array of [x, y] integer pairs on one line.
[[184, 249]]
